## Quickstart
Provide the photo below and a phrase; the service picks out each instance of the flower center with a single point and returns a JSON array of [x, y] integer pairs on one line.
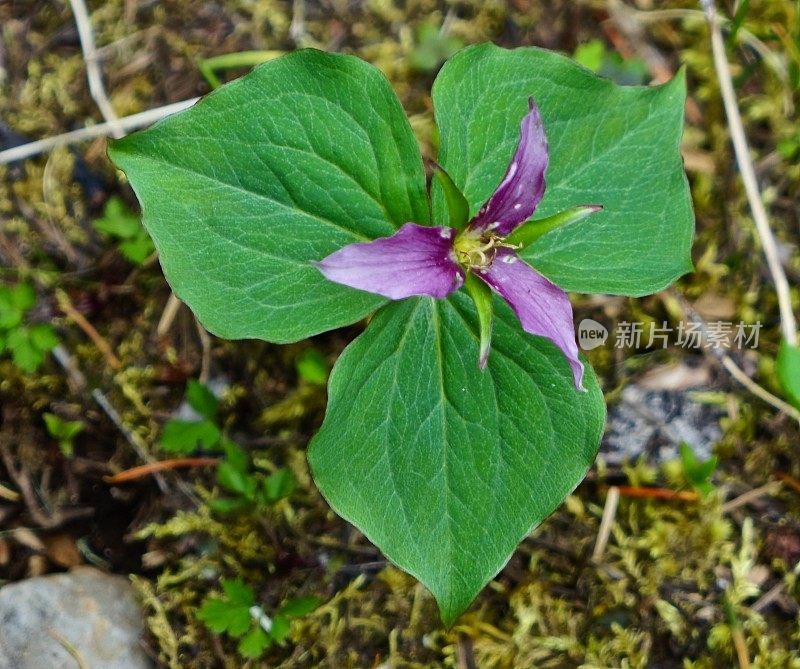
[[477, 249]]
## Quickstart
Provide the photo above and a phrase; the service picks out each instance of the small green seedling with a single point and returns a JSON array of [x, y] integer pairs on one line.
[[27, 344], [120, 223], [697, 472], [183, 437], [64, 432], [237, 615], [248, 490]]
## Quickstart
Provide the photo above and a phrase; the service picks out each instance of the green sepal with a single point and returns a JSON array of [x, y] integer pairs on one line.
[[530, 231], [481, 295], [457, 205]]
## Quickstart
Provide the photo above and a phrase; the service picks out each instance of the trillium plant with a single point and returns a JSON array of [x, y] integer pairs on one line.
[[294, 201]]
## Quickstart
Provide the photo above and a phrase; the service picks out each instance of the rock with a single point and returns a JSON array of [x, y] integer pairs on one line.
[[93, 613], [654, 422]]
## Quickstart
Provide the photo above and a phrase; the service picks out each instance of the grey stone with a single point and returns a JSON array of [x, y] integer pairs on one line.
[[94, 613], [653, 423]]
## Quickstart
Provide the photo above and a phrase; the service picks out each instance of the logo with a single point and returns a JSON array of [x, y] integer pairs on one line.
[[591, 334]]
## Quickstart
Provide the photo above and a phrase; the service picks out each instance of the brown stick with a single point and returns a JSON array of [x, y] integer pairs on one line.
[[78, 318], [657, 493], [158, 466], [609, 513], [751, 496], [792, 482]]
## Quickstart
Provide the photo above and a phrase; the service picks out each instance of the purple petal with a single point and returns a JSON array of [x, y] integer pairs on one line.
[[416, 260], [522, 188], [542, 307]]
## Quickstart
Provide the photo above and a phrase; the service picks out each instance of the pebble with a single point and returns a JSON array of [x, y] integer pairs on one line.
[[93, 614]]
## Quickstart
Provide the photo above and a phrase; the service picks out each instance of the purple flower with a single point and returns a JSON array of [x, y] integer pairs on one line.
[[434, 261]]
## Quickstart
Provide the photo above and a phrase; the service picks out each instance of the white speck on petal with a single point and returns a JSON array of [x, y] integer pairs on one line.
[[509, 259], [518, 205], [493, 226], [446, 233]]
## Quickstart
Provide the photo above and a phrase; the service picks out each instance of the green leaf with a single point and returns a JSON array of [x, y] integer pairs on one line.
[[244, 191], [226, 505], [25, 354], [43, 337], [238, 592], [62, 429], [230, 613], [118, 221], [221, 615], [697, 472], [279, 484], [183, 437], [254, 643], [445, 467], [23, 296], [300, 606], [10, 317], [138, 249], [232, 479], [312, 367], [789, 371], [215, 613], [609, 145], [201, 399], [54, 425], [280, 628], [235, 455]]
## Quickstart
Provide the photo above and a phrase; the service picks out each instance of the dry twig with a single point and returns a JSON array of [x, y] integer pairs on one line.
[[742, 151], [606, 522], [65, 304], [158, 466], [751, 496], [93, 73], [658, 493], [728, 363], [466, 656], [126, 123]]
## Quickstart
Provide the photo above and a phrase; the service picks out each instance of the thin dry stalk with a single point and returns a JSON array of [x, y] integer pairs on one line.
[[742, 151], [751, 496], [93, 74], [79, 319], [728, 363], [606, 522], [126, 123], [168, 315]]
